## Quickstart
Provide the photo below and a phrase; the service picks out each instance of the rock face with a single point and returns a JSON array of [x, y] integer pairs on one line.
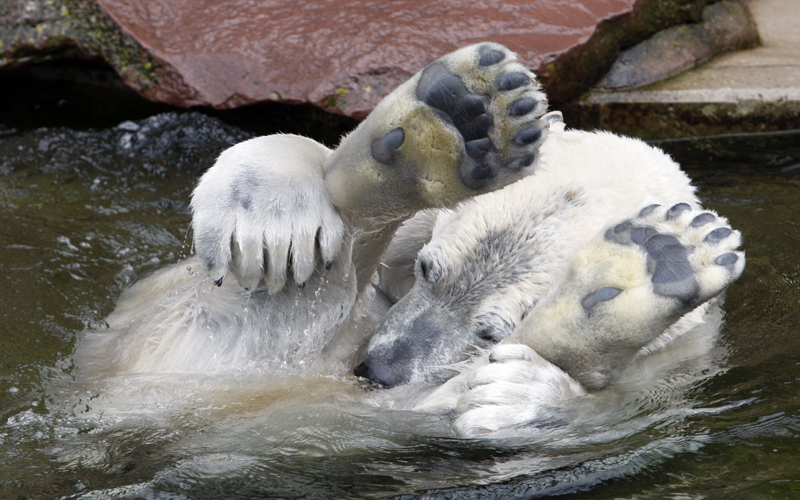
[[342, 55], [726, 27]]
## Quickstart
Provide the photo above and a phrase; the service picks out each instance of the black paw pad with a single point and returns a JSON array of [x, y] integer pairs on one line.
[[676, 210], [648, 210], [473, 106], [444, 91], [475, 129], [641, 235], [602, 295], [522, 107], [726, 259], [718, 235], [702, 220], [478, 149], [667, 259], [481, 172], [520, 163], [383, 150], [440, 89], [512, 81], [528, 136], [489, 56]]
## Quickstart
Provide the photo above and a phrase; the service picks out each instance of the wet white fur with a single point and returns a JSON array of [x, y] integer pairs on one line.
[[589, 182], [255, 171], [178, 321], [569, 201], [282, 200]]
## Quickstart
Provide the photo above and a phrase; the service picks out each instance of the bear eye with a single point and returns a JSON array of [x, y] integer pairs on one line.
[[424, 268]]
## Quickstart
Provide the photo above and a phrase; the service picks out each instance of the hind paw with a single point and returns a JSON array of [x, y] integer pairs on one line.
[[493, 102], [690, 254], [630, 284], [470, 122]]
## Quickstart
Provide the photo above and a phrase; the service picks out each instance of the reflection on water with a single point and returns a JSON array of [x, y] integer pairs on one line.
[[85, 214]]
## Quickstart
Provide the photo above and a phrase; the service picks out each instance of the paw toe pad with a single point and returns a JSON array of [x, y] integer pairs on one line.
[[384, 149], [513, 81], [490, 56]]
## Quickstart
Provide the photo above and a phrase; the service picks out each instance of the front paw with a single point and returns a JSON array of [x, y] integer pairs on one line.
[[516, 388], [263, 210]]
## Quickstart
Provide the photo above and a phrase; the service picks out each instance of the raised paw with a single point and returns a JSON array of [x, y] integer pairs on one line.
[[691, 254], [262, 212], [495, 104], [516, 388], [629, 285], [468, 123]]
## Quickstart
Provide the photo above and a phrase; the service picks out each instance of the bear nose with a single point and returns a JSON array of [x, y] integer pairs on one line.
[[376, 374], [361, 370]]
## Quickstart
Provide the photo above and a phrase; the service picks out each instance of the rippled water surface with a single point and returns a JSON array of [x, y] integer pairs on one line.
[[85, 214]]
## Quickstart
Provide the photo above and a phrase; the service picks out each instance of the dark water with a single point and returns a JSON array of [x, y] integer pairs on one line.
[[83, 214]]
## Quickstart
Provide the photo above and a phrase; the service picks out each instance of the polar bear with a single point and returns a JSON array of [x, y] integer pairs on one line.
[[510, 284], [559, 280], [469, 123]]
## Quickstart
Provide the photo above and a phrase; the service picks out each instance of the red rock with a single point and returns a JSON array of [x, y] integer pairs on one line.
[[340, 55], [344, 55]]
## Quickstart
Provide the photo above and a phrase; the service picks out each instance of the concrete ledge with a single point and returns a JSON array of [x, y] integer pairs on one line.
[[697, 96], [687, 113]]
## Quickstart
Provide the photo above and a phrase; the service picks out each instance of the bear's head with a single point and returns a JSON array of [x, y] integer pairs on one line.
[[475, 280]]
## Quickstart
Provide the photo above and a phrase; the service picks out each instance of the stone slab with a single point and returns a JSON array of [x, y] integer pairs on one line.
[[341, 56], [755, 90]]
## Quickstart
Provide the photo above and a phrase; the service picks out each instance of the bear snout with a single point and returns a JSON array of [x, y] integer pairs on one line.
[[379, 374]]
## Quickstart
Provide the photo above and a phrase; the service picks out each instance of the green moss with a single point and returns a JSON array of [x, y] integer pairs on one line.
[[71, 29]]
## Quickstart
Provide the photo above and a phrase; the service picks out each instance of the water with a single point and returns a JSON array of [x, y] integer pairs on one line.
[[84, 214]]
